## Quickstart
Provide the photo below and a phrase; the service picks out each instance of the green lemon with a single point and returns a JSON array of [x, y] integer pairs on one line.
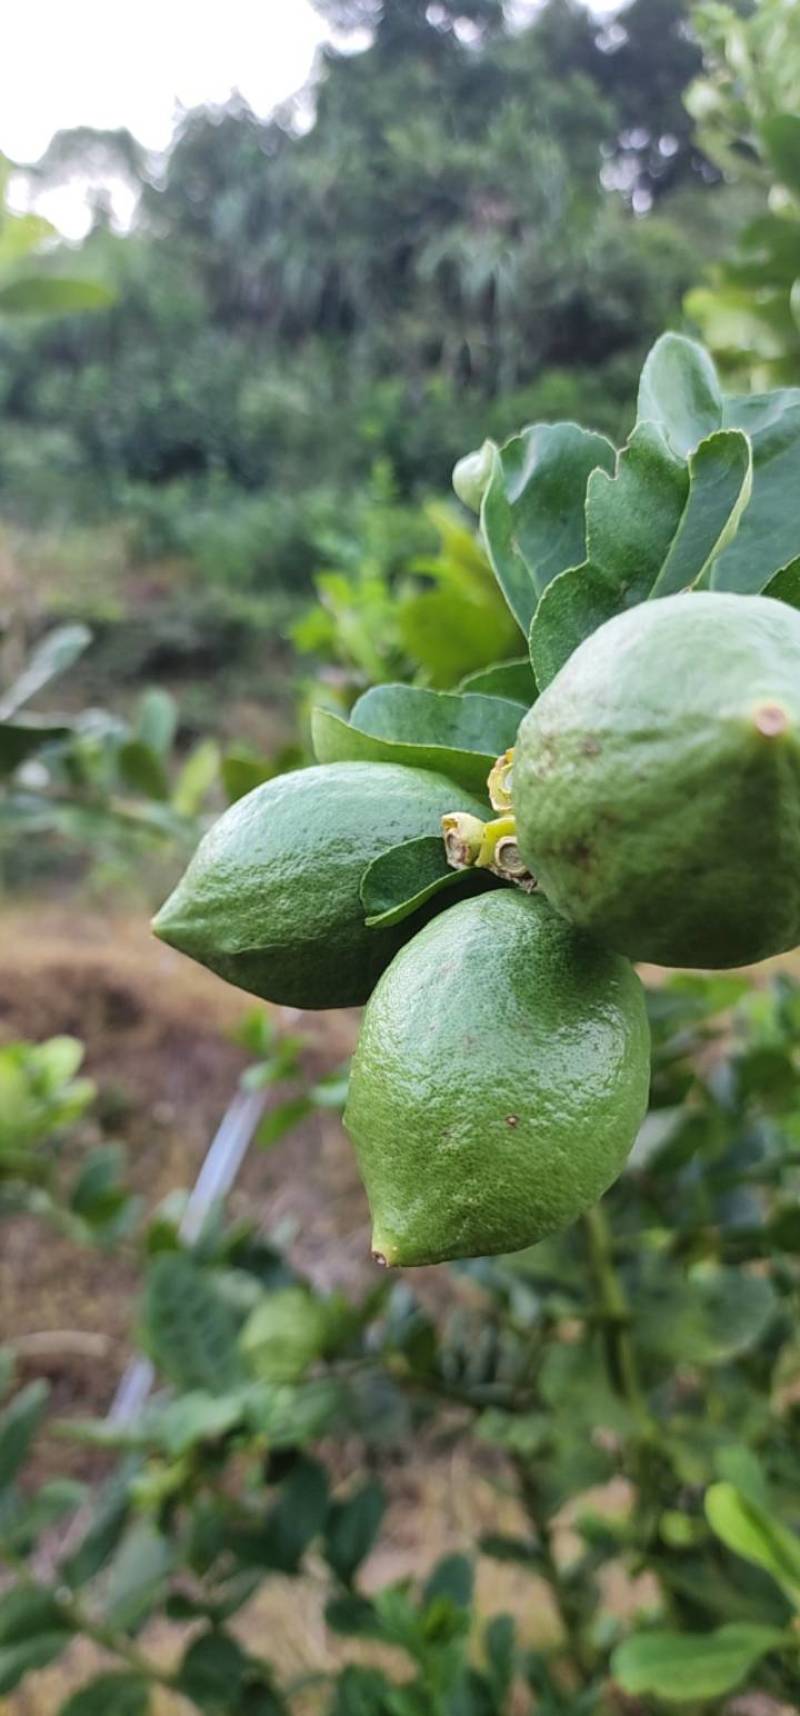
[[499, 1082], [271, 898], [656, 782]]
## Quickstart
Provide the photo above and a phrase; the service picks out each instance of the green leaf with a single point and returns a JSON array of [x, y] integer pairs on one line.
[[448, 630], [24, 1517], [720, 486], [364, 1691], [633, 515], [709, 1317], [653, 528], [121, 1694], [98, 1195], [197, 777], [532, 516], [397, 882], [572, 607], [280, 1118], [18, 1425], [143, 770], [24, 738], [33, 1632], [212, 1672], [196, 1417], [739, 1466], [512, 679], [453, 1577], [784, 586], [53, 295], [749, 1529], [679, 1666], [781, 134], [292, 1524], [284, 1334], [242, 771], [52, 656], [103, 1533], [137, 1576], [157, 720], [767, 538], [456, 734], [190, 1330], [500, 1645], [679, 391], [351, 1529]]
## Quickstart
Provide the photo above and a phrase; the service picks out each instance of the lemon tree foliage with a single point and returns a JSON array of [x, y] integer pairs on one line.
[[655, 1342], [647, 790], [746, 111]]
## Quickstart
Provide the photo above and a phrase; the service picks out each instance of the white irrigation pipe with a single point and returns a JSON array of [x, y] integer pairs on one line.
[[224, 1158]]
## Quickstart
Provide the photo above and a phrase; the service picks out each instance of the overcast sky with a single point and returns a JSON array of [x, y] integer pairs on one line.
[[85, 62]]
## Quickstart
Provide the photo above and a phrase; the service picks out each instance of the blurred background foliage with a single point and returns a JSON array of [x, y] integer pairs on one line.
[[458, 228]]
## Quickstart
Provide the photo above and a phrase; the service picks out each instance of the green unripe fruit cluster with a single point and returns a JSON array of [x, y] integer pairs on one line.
[[652, 799]]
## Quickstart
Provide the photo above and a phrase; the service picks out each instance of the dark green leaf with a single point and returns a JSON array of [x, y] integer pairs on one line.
[[399, 881], [24, 1517], [142, 769], [137, 1576], [33, 1632], [500, 1652], [362, 1692], [190, 1330], [767, 538], [351, 1529], [459, 735], [212, 1672], [103, 1532], [532, 515], [112, 1694], [633, 516], [242, 771], [24, 738], [720, 485], [18, 1425], [353, 1616], [453, 1577], [511, 679], [784, 586], [572, 607], [679, 391], [680, 1666], [292, 1524]]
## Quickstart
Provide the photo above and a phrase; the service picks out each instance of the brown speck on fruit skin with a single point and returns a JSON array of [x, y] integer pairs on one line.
[[771, 719], [512, 1120], [590, 747]]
